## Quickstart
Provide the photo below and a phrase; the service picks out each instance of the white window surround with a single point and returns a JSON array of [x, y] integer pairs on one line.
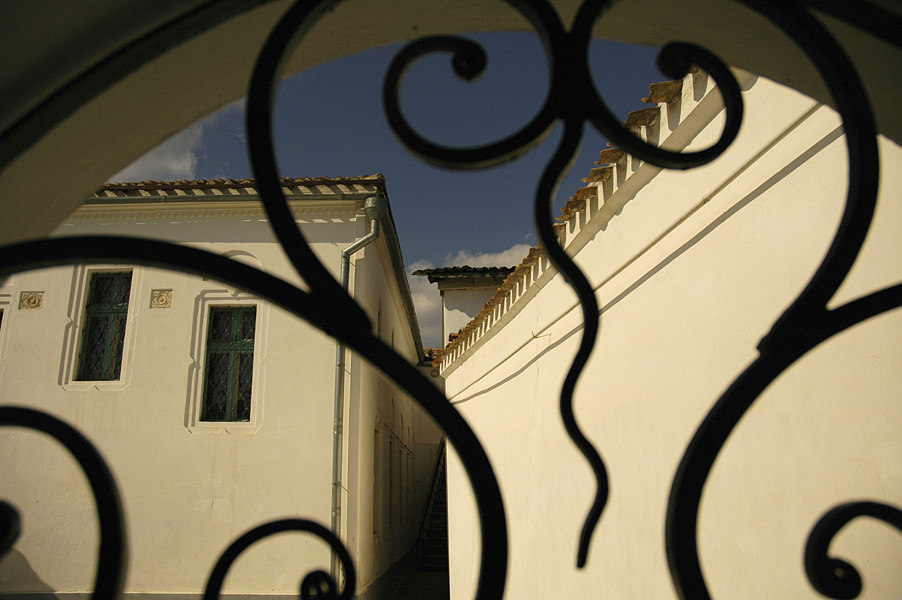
[[6, 304], [81, 278], [196, 373], [380, 470]]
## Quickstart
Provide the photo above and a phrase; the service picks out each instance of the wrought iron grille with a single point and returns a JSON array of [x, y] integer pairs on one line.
[[572, 104]]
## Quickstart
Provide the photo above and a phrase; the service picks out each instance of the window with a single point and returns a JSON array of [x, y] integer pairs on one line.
[[227, 373], [391, 480], [103, 335], [229, 364], [399, 474], [379, 320], [377, 475], [6, 318]]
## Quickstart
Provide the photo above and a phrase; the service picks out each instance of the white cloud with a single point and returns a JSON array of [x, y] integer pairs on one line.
[[428, 303], [174, 159], [511, 257]]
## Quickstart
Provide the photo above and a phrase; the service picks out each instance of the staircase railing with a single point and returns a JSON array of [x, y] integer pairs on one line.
[[437, 470]]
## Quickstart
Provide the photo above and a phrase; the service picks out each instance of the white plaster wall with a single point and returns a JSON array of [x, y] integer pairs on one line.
[[187, 491], [460, 306], [397, 417], [692, 272]]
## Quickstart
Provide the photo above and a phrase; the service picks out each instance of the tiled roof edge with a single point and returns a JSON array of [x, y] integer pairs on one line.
[[450, 274], [232, 189], [185, 184], [514, 286], [464, 270], [614, 170]]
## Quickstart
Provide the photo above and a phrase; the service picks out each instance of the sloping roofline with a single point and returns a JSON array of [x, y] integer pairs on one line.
[[294, 188], [466, 271], [205, 190]]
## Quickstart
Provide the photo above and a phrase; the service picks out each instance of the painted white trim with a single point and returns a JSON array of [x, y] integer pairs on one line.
[[81, 279], [202, 305], [6, 306], [244, 206]]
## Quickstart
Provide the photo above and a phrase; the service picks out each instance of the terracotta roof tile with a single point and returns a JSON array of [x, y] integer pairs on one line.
[[217, 190], [577, 202], [599, 174], [611, 155], [514, 275], [644, 117], [235, 183], [664, 91], [445, 273]]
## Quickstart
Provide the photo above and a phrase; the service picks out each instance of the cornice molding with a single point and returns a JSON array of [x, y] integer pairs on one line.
[[207, 209]]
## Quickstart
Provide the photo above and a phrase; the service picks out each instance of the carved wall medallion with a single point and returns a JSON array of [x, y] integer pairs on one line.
[[31, 300], [161, 298]]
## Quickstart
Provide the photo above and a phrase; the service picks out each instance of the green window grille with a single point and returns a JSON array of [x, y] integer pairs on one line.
[[103, 336], [229, 364]]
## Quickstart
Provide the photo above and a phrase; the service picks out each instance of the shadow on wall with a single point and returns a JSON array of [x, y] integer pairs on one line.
[[16, 575]]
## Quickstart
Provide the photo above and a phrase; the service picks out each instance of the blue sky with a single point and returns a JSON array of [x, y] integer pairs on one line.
[[330, 122]]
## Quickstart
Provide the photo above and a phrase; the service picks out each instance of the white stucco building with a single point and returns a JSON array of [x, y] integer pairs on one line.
[[74, 81], [690, 269], [213, 408], [464, 291]]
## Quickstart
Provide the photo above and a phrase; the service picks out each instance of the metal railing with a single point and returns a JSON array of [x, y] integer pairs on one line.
[[434, 486]]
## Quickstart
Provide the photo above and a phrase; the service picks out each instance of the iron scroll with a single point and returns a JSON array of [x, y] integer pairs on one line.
[[572, 102]]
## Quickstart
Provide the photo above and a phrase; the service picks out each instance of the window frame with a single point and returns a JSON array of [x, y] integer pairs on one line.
[[378, 483], [77, 319], [232, 348], [205, 302], [7, 312], [109, 359]]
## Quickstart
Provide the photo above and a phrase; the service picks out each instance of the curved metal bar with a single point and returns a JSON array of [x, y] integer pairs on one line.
[[289, 32], [675, 60], [327, 317], [689, 481], [544, 201], [468, 61], [112, 554], [94, 249], [10, 527], [106, 72], [571, 93], [316, 584], [834, 577], [860, 131], [492, 520], [573, 99], [861, 309], [353, 327], [866, 16], [807, 322], [685, 496]]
